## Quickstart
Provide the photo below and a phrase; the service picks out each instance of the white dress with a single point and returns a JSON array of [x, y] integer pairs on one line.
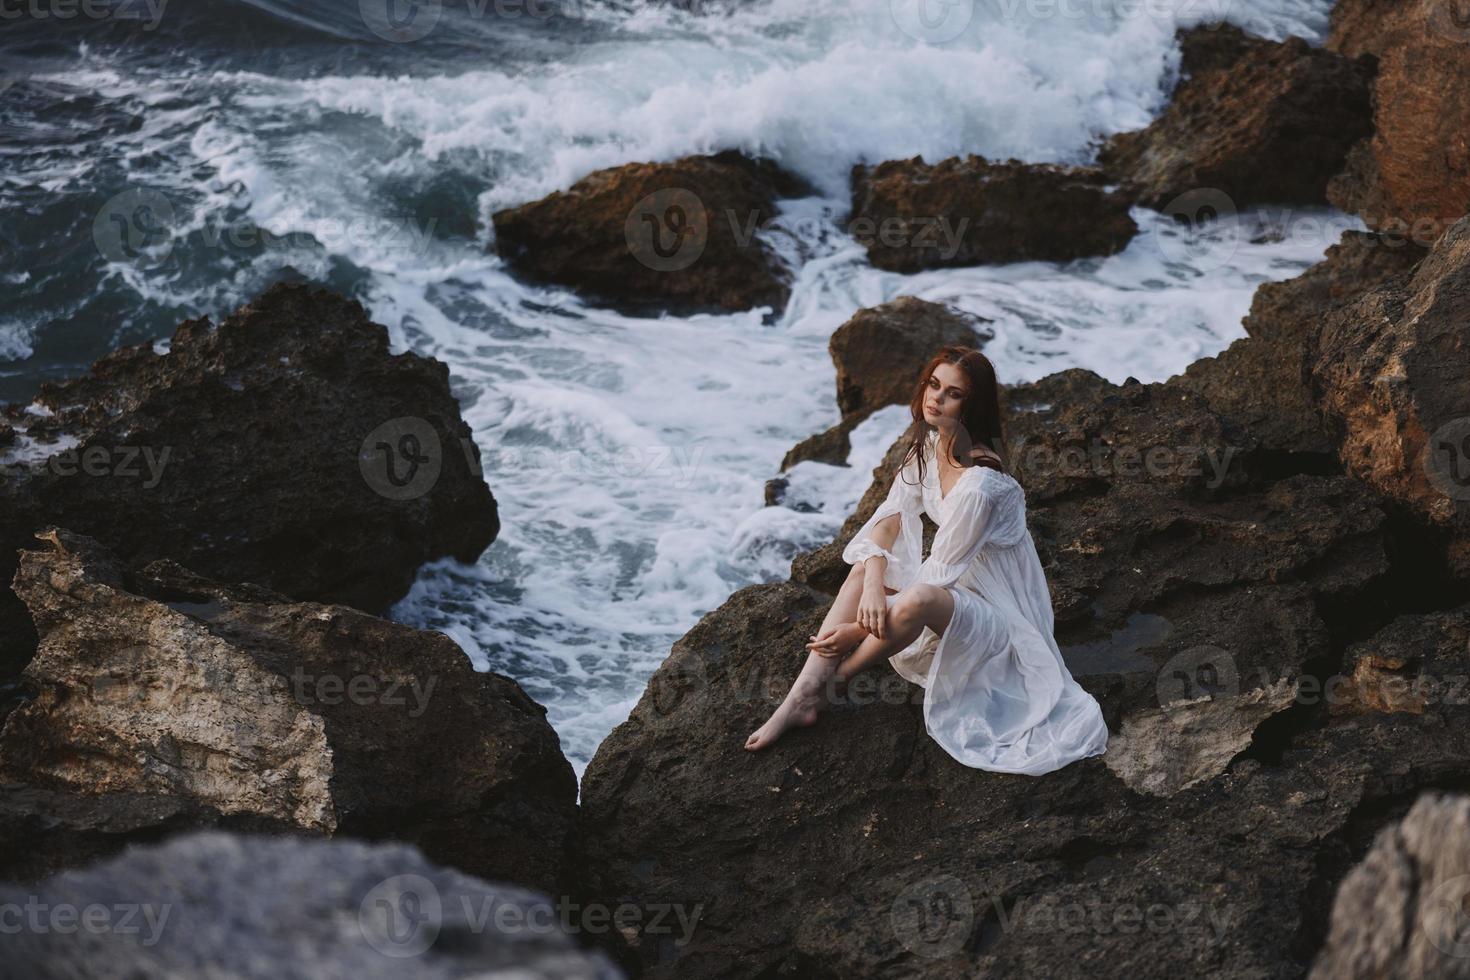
[[998, 694]]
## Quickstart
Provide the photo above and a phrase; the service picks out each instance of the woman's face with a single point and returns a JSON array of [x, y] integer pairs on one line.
[[944, 393]]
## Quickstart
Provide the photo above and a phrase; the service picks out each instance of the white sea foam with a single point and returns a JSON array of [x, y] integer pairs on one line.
[[628, 456]]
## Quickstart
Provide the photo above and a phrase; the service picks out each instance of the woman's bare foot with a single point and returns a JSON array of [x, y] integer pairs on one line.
[[799, 708]]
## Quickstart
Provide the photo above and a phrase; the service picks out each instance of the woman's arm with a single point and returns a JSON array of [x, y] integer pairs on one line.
[[888, 545], [959, 541]]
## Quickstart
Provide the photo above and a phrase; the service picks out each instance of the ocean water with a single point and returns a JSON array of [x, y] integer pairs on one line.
[[365, 144]]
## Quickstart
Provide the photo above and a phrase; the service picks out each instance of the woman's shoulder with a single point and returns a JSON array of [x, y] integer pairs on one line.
[[996, 482]]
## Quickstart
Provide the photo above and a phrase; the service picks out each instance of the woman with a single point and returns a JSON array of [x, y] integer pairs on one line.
[[972, 623]]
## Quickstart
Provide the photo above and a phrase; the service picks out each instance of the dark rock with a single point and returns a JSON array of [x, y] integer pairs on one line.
[[1260, 122], [217, 904], [159, 700], [1261, 382], [653, 237], [1214, 47], [255, 452], [911, 215], [858, 847]]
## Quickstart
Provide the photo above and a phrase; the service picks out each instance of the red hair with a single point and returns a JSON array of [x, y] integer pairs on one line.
[[979, 421]]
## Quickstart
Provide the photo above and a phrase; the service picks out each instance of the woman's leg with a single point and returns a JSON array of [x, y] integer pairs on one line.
[[916, 607], [801, 703]]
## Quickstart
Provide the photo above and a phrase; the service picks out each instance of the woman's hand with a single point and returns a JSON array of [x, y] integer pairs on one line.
[[837, 641], [872, 612]]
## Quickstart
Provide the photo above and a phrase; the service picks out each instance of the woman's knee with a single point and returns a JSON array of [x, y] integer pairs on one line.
[[918, 601]]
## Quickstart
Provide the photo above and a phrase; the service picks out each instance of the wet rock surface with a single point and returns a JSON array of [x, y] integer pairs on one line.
[[653, 237]]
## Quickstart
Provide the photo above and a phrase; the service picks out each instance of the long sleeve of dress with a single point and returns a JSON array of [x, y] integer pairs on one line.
[[905, 498], [966, 528]]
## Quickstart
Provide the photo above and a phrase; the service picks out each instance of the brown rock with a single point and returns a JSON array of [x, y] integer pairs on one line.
[[876, 353], [876, 350], [161, 701], [1193, 561], [912, 215], [651, 237], [1261, 122], [813, 855], [1391, 372], [1261, 382], [1411, 177]]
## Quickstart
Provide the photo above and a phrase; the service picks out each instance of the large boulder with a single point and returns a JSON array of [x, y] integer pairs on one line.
[[911, 215], [1411, 176], [159, 700], [653, 237], [1391, 372], [1247, 614], [876, 353], [255, 908], [286, 447], [859, 848], [1400, 913], [1257, 120]]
